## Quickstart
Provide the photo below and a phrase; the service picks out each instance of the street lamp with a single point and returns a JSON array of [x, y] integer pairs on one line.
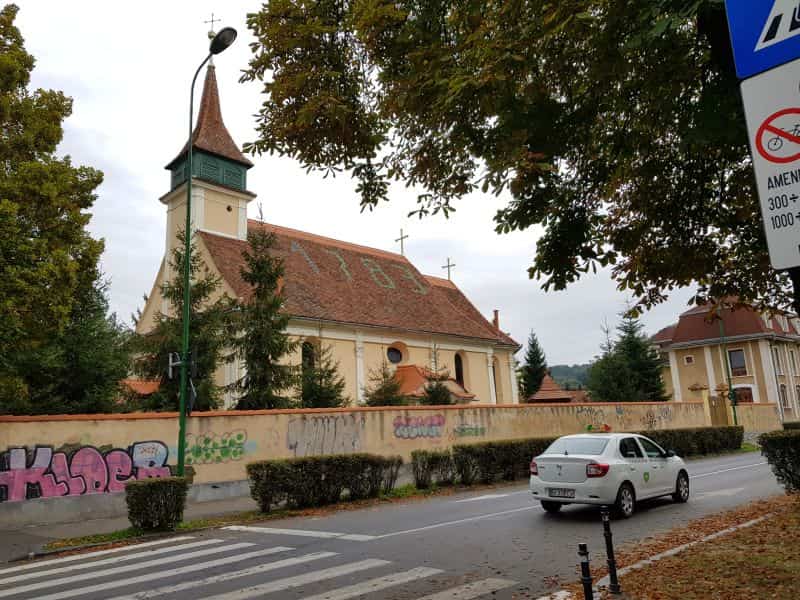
[[220, 42]]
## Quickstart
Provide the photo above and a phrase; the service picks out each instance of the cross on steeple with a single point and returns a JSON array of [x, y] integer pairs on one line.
[[400, 239], [448, 266], [212, 20]]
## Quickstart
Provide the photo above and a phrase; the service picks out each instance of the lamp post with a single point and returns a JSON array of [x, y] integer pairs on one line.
[[727, 365], [220, 42]]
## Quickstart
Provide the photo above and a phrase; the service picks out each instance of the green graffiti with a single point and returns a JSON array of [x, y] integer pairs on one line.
[[210, 448]]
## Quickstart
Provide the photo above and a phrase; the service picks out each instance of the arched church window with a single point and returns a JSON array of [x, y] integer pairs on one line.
[[394, 355], [459, 370], [308, 355]]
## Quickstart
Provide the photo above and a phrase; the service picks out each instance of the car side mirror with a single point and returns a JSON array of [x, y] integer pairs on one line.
[[669, 453]]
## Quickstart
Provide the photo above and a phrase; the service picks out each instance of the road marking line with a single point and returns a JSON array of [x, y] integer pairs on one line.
[[353, 537], [210, 564], [726, 470], [288, 562], [719, 493], [373, 585], [484, 497], [114, 571], [286, 583], [471, 590], [106, 561], [457, 521], [41, 563]]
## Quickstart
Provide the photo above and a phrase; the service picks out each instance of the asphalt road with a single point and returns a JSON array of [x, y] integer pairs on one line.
[[497, 544]]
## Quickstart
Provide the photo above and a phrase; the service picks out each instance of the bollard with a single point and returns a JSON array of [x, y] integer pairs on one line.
[[586, 575], [613, 585]]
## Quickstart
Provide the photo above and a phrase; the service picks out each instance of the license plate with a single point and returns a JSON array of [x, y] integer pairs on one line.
[[561, 493]]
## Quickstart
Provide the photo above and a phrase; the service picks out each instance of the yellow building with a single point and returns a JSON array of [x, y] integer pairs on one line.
[[756, 352], [368, 305]]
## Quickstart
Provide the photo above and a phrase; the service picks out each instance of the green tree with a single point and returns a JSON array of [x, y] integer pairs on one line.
[[628, 369], [534, 369], [43, 216], [321, 384], [615, 126], [436, 392], [210, 315], [383, 388], [262, 342], [642, 359]]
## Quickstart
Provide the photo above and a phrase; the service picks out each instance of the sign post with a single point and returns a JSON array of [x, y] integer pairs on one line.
[[765, 37]]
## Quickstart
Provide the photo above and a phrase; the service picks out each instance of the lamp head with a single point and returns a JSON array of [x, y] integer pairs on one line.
[[222, 40]]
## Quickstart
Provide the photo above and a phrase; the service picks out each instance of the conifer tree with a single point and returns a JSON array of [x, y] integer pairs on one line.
[[209, 325], [534, 368], [261, 340], [321, 384], [44, 200], [436, 392], [383, 388], [629, 368]]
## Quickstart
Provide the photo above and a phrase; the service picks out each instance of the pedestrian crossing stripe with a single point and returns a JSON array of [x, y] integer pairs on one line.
[[221, 553]]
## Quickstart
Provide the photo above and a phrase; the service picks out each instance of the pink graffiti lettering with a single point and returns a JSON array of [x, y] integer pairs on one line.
[[87, 471], [410, 428]]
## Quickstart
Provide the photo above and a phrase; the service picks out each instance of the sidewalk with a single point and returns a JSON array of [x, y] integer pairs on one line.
[[16, 543]]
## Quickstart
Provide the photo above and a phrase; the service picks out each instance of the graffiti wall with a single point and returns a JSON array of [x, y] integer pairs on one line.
[[44, 457], [39, 472], [312, 435]]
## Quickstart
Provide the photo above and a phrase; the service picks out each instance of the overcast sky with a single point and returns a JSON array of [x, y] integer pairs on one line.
[[128, 67]]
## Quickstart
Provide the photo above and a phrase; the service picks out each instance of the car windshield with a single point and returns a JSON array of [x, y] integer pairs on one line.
[[579, 445]]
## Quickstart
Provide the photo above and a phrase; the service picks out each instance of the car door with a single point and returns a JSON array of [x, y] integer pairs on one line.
[[634, 459], [659, 477]]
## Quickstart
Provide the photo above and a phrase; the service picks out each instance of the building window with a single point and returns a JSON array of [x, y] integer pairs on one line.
[[738, 366], [394, 355], [777, 358], [784, 397], [784, 323], [796, 393], [793, 362], [743, 395], [308, 355], [688, 359], [459, 370]]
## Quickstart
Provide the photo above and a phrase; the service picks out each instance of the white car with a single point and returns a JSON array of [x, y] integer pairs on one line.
[[616, 469]]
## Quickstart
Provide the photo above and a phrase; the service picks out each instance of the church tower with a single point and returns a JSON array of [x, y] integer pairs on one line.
[[219, 183]]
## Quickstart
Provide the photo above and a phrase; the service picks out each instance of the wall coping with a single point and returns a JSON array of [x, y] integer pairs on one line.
[[301, 411]]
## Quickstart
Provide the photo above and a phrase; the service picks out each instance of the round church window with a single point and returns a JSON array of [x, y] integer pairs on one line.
[[394, 355]]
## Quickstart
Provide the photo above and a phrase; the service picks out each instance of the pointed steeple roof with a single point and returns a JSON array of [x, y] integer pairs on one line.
[[210, 133]]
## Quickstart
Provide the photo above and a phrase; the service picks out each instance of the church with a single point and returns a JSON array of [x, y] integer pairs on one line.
[[367, 305]]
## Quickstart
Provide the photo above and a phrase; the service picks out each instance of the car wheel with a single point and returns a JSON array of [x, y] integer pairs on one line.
[[626, 501], [681, 493], [551, 507]]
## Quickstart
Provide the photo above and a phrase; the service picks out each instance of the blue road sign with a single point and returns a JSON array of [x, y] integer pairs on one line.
[[764, 33]]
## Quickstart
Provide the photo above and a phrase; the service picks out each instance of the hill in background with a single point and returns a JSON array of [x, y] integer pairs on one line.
[[570, 377]]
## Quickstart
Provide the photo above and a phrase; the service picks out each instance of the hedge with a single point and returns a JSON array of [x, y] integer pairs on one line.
[[487, 462], [156, 504], [698, 440], [320, 480], [791, 425], [432, 466], [782, 450]]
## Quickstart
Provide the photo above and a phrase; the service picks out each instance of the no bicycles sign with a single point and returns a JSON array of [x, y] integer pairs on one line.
[[778, 138], [772, 108]]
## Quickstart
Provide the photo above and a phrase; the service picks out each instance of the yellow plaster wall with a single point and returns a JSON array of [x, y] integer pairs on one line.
[[278, 434], [758, 417], [694, 373], [217, 218], [477, 376]]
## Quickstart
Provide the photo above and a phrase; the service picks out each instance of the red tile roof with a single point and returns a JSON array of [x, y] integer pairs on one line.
[[143, 387], [338, 281], [550, 391], [210, 133], [414, 378], [664, 335], [702, 323]]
